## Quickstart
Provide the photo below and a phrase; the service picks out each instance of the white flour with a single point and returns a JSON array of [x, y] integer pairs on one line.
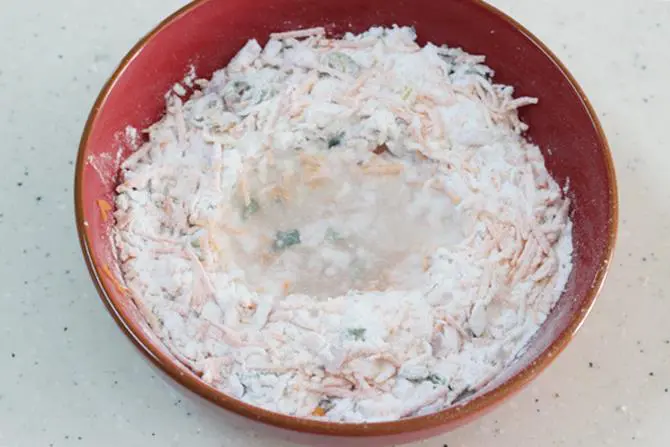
[[344, 229]]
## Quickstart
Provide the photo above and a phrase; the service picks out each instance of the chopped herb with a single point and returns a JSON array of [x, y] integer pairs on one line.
[[342, 63], [285, 239], [356, 269], [198, 121], [332, 235], [241, 87], [250, 209], [464, 395], [326, 404], [435, 379], [235, 93], [335, 140], [357, 333], [432, 378]]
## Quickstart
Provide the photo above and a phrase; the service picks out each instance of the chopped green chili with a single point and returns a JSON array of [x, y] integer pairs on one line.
[[250, 209], [332, 235], [335, 140], [467, 392], [343, 63], [285, 239], [357, 333], [432, 378], [326, 404]]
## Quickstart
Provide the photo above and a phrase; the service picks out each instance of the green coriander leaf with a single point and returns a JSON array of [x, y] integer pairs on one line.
[[357, 333], [332, 235], [335, 140], [252, 208], [285, 239]]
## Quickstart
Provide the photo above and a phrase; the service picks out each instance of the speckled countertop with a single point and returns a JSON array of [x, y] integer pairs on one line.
[[69, 377]]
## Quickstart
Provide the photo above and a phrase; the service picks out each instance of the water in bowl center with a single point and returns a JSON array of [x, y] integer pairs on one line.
[[333, 225]]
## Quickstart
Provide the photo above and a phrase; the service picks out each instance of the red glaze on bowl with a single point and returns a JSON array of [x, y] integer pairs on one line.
[[207, 33]]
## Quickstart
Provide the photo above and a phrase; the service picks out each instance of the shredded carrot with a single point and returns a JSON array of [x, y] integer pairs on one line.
[[119, 287], [233, 230], [286, 286], [204, 240], [310, 160], [244, 190], [316, 182], [105, 208], [421, 155], [319, 412], [279, 193], [426, 263], [213, 243], [297, 34], [454, 197], [383, 170], [267, 258]]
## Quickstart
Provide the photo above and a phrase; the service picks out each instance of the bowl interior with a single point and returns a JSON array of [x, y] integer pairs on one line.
[[208, 33]]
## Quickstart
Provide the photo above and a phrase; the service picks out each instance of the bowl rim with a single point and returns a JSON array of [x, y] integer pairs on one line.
[[452, 415]]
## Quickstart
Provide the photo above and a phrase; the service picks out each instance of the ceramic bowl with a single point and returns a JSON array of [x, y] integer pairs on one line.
[[207, 33]]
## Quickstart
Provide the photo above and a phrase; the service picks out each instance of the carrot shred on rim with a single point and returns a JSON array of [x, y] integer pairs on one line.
[[119, 287], [105, 207]]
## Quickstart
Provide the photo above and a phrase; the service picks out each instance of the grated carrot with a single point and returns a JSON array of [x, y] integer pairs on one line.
[[105, 207], [421, 155], [310, 160], [232, 230], [286, 286], [119, 287], [316, 182], [301, 33], [319, 412], [453, 196], [383, 170], [426, 263], [279, 193]]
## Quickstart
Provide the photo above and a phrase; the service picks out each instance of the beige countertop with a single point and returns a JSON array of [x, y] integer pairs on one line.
[[69, 377]]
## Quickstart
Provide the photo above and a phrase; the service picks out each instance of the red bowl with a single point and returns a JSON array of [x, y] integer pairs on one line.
[[207, 33]]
